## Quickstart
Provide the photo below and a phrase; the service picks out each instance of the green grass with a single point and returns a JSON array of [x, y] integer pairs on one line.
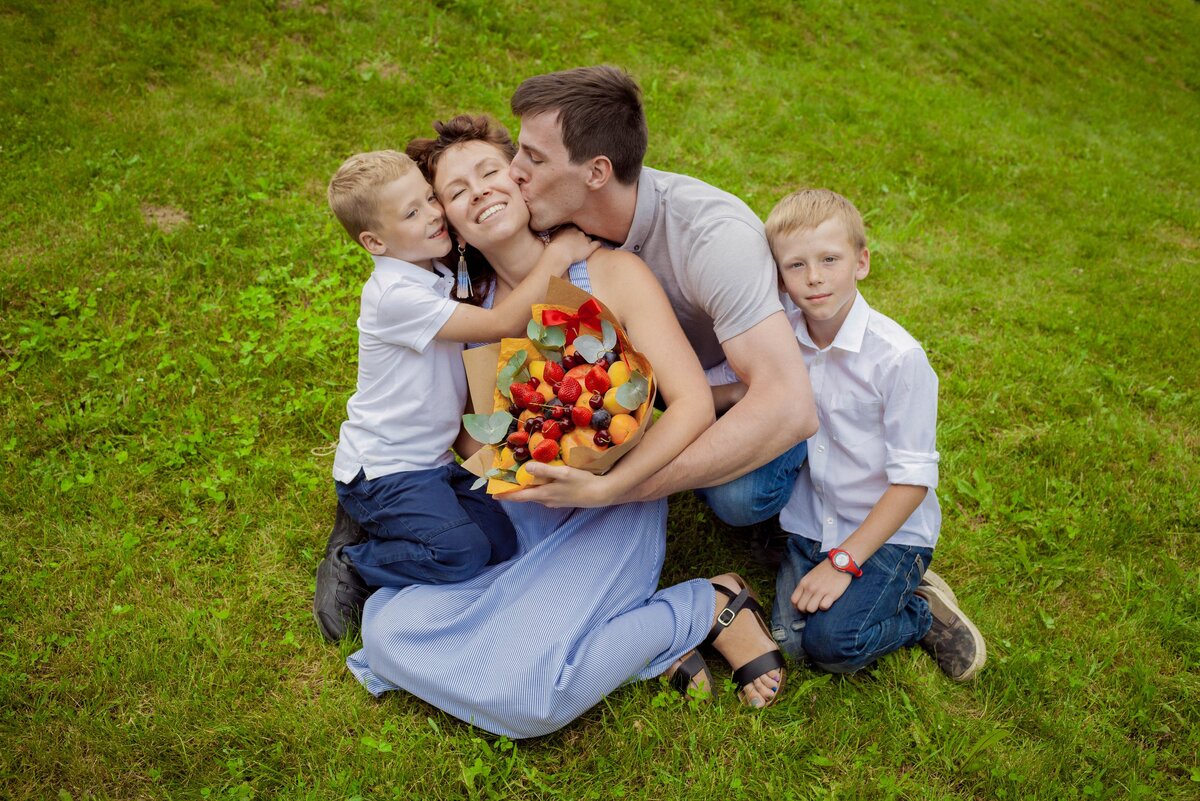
[[177, 345]]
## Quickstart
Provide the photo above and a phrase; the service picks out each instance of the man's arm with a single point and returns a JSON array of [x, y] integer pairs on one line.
[[776, 412]]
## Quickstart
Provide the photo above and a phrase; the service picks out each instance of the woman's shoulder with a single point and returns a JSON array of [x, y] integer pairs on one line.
[[618, 265]]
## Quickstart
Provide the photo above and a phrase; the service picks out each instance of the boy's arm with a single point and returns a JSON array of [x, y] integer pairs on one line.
[[824, 584], [510, 316]]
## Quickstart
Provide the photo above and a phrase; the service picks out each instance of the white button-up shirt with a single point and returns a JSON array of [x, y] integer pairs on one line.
[[412, 388], [876, 401]]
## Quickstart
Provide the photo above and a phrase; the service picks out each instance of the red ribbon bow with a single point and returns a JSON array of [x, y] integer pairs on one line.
[[587, 316]]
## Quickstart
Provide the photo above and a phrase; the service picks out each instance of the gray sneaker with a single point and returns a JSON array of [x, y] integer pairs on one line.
[[953, 641], [341, 593]]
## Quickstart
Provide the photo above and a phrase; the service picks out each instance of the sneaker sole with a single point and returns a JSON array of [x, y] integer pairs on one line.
[[941, 605]]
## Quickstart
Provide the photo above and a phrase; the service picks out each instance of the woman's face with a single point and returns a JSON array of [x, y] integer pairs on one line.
[[483, 205]]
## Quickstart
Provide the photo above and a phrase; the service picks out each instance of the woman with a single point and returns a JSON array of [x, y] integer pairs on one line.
[[529, 645]]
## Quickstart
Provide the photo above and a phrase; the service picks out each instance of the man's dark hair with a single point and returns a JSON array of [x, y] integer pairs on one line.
[[599, 111]]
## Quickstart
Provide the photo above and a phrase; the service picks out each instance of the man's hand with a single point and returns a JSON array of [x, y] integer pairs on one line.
[[820, 587], [567, 486]]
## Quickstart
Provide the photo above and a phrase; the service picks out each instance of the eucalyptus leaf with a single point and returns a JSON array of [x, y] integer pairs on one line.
[[535, 330], [633, 393], [479, 482], [509, 372], [553, 337], [488, 428], [610, 334], [589, 347]]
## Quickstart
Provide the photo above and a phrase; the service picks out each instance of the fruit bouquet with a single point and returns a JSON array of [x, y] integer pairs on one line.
[[572, 391]]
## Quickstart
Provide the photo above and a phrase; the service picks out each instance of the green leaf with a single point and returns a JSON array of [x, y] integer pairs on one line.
[[488, 428], [589, 347], [510, 373], [610, 334], [633, 393], [535, 330], [552, 338], [479, 482]]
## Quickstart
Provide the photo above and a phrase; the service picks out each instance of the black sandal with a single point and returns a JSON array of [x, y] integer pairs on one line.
[[762, 664], [691, 666]]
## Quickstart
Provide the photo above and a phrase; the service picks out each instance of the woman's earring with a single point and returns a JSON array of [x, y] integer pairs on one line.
[[463, 289]]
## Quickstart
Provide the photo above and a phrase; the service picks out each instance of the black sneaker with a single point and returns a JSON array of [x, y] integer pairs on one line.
[[768, 543], [346, 531], [953, 641], [341, 593]]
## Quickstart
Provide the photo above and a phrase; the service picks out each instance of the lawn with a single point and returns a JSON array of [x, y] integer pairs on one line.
[[177, 344]]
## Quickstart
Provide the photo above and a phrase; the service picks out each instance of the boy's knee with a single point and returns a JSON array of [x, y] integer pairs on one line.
[[461, 553], [832, 645]]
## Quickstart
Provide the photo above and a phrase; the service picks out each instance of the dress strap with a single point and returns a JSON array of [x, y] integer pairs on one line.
[[577, 273]]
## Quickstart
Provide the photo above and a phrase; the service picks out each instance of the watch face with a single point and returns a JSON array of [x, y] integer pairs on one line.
[[841, 560]]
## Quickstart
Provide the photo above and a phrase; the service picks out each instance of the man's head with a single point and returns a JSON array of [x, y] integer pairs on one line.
[[385, 204], [820, 244], [580, 128]]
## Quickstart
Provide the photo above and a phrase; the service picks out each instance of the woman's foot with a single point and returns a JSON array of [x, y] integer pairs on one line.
[[745, 640], [690, 675]]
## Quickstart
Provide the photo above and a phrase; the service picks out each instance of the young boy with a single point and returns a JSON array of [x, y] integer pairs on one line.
[[394, 472], [863, 519]]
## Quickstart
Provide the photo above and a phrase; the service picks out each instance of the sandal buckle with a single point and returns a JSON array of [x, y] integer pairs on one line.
[[726, 617]]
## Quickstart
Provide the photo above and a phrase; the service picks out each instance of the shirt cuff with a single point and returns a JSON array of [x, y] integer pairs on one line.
[[912, 467]]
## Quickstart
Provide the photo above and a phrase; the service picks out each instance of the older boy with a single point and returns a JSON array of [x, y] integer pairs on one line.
[[863, 518], [583, 138], [395, 475]]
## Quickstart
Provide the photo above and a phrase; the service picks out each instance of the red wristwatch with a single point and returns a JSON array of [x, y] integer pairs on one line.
[[843, 561]]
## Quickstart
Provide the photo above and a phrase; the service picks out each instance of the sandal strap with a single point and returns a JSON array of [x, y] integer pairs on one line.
[[761, 665], [693, 665], [740, 601]]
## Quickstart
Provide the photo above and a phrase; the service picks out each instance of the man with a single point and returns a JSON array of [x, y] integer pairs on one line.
[[579, 160]]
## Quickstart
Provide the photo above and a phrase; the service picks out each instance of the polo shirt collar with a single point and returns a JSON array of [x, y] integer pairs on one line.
[[850, 336], [410, 270], [645, 213]]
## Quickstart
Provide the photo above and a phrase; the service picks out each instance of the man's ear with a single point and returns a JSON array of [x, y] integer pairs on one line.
[[599, 171], [372, 243], [864, 265]]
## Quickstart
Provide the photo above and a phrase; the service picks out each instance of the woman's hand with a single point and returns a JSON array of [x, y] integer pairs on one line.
[[567, 486], [570, 244], [820, 587]]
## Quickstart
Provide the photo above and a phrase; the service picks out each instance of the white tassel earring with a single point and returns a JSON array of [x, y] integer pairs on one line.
[[463, 288]]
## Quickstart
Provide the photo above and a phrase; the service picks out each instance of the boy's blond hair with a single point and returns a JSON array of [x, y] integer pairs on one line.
[[354, 188], [805, 209]]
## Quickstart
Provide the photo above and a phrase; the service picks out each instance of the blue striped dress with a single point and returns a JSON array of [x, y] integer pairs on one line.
[[529, 645]]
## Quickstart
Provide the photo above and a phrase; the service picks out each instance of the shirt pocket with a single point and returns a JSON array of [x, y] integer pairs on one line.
[[855, 420]]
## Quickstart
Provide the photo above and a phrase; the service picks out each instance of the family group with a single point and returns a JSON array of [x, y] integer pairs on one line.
[[789, 405]]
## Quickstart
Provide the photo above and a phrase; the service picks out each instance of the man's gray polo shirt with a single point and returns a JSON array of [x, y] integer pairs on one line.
[[709, 252]]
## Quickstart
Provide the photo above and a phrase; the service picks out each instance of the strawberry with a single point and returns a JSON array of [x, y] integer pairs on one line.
[[581, 416], [524, 396], [553, 372], [546, 451], [569, 391], [552, 429], [597, 380], [518, 439]]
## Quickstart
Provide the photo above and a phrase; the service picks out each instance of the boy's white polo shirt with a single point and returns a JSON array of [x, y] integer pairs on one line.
[[412, 388], [876, 397]]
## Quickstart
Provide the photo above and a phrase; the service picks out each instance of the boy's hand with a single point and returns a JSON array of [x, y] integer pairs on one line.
[[570, 245], [820, 587]]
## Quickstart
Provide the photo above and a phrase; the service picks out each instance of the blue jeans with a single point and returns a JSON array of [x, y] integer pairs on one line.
[[761, 493], [424, 527], [877, 614]]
